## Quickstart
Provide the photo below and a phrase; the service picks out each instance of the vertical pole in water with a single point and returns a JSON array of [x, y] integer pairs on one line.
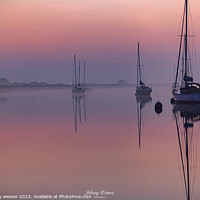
[[79, 72], [186, 36]]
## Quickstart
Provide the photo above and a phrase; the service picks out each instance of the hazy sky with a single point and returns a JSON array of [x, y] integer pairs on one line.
[[38, 38]]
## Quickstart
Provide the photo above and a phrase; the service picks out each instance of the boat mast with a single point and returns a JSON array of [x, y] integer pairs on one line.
[[137, 71], [180, 47], [74, 77], [79, 72], [182, 71], [186, 36], [138, 65], [84, 74]]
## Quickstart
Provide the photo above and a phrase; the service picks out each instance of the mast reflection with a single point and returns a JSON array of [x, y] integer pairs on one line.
[[186, 117], [141, 101], [78, 105]]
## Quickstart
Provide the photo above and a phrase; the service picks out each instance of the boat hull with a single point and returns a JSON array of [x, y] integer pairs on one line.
[[145, 91], [186, 98], [78, 90], [143, 98]]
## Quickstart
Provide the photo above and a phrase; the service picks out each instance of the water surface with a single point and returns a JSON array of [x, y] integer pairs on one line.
[[55, 143]]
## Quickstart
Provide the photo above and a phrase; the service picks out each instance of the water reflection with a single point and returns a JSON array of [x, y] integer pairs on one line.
[[141, 101], [187, 117], [78, 105]]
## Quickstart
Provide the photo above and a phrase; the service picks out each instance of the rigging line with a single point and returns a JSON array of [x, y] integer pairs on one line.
[[193, 42], [189, 63], [180, 45], [191, 21], [181, 153]]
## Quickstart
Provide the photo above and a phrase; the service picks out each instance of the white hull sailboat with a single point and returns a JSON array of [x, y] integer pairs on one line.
[[189, 91], [186, 97], [141, 88]]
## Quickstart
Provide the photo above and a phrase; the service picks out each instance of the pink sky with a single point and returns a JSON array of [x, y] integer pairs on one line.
[[39, 35]]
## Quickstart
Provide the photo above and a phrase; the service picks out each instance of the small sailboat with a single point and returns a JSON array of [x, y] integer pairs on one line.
[[141, 88], [189, 91], [76, 82]]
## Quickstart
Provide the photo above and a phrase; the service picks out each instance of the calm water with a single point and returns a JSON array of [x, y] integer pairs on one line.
[[53, 143]]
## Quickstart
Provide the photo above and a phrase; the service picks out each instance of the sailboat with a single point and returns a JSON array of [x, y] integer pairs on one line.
[[76, 82], [186, 117], [141, 88], [188, 91]]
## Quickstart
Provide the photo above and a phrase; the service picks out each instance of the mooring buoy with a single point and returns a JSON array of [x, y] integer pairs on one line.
[[158, 107]]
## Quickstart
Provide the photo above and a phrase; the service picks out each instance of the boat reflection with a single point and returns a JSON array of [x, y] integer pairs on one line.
[[141, 101], [187, 117], [78, 104]]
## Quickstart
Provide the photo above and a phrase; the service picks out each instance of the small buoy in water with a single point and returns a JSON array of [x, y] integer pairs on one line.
[[158, 107]]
